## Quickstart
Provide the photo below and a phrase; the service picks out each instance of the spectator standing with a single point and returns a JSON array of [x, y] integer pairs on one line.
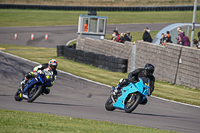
[[124, 38], [117, 37], [179, 37], [163, 39], [129, 36], [168, 37], [86, 26], [146, 36], [148, 30], [199, 36], [196, 43], [184, 40]]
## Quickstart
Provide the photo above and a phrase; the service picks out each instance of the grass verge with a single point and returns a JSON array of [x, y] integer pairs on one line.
[[162, 89], [19, 121], [13, 17]]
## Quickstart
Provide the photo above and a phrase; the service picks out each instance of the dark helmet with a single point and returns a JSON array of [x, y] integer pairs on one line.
[[149, 69]]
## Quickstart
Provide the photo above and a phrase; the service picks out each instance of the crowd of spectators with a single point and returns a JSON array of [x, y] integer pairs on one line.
[[181, 39], [165, 38], [124, 36]]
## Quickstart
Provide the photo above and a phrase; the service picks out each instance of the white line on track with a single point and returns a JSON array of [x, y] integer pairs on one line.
[[98, 82]]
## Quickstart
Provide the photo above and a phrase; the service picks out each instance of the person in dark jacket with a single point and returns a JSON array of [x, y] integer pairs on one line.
[[146, 74], [124, 38], [184, 40], [196, 43], [146, 36], [168, 37], [163, 39], [199, 35]]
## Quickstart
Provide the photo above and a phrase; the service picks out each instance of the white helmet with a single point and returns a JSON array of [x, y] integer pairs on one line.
[[52, 64]]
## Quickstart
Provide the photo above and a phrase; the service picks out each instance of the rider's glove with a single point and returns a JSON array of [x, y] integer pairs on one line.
[[52, 82]]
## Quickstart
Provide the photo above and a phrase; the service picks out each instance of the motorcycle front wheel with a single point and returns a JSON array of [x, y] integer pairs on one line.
[[109, 104], [34, 93], [132, 102], [17, 96]]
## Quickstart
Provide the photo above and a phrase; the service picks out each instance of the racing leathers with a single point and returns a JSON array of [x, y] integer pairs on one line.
[[139, 73], [50, 74], [134, 77]]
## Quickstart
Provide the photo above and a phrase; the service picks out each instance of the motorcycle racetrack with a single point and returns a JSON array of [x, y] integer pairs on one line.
[[77, 97]]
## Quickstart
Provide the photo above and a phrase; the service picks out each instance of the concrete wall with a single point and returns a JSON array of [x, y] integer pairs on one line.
[[173, 63], [108, 48], [189, 68]]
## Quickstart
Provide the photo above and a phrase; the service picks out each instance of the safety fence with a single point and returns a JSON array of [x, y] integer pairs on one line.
[[97, 60], [99, 8]]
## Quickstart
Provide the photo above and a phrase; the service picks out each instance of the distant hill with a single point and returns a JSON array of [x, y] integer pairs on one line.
[[121, 3]]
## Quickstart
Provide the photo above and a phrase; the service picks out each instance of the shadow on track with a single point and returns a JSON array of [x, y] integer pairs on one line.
[[145, 114], [61, 104]]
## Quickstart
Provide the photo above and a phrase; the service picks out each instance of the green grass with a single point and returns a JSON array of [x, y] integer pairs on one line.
[[11, 17], [162, 89], [19, 121]]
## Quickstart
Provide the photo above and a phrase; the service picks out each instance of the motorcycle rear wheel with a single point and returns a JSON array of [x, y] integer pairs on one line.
[[132, 102], [17, 96], [109, 105], [36, 94]]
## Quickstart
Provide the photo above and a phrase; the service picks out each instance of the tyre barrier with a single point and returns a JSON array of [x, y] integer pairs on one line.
[[61, 49], [110, 63], [99, 8]]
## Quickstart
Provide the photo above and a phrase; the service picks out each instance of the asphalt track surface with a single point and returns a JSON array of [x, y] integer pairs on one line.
[[60, 35], [75, 97]]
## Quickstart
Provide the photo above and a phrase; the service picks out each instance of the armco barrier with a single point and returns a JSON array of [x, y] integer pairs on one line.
[[98, 60], [98, 8]]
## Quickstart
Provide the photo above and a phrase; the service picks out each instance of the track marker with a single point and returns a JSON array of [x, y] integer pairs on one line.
[[32, 36], [15, 36], [46, 36]]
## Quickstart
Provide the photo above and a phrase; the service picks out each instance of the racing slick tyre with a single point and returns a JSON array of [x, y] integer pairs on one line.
[[17, 96], [34, 93], [132, 102], [109, 105]]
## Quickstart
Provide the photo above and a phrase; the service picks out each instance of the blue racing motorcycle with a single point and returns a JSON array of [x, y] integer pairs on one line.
[[129, 97], [33, 88]]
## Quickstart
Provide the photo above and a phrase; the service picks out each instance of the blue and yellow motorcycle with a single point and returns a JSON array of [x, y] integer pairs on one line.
[[33, 88], [129, 97]]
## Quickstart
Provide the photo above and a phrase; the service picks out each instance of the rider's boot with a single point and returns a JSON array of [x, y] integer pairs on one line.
[[23, 82]]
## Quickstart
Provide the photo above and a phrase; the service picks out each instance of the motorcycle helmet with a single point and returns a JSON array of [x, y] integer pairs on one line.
[[149, 69], [52, 64]]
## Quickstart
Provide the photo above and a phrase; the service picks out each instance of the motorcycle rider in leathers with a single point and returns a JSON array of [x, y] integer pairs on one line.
[[146, 74], [50, 68]]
